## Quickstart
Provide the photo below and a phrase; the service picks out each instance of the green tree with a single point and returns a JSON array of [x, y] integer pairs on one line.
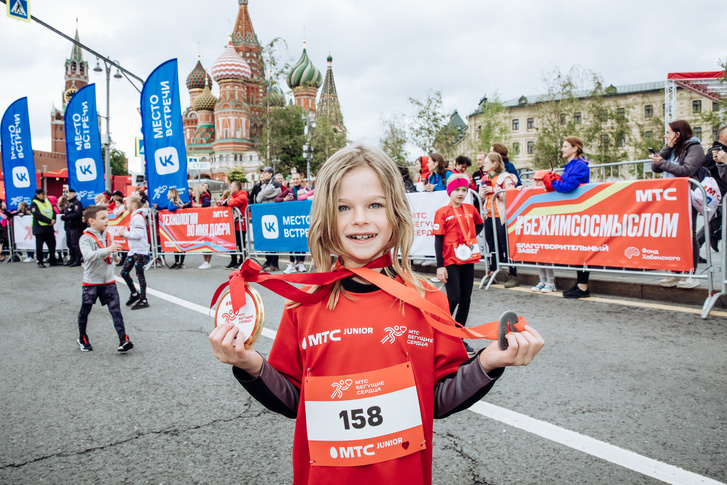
[[237, 174], [428, 124], [325, 141], [284, 138], [492, 124], [393, 141], [118, 160], [606, 132], [717, 117]]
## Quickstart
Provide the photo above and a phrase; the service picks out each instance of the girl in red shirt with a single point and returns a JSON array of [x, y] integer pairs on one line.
[[363, 373], [455, 246]]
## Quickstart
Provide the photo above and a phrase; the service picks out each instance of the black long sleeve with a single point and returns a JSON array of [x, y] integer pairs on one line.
[[438, 248]]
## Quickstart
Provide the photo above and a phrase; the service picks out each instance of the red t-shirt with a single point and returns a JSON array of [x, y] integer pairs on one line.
[[357, 343], [445, 224]]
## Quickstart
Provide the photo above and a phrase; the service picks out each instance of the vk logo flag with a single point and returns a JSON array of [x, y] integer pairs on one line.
[[17, 153], [161, 124], [83, 146], [282, 227]]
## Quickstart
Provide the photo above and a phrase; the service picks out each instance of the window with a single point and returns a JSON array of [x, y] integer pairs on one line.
[[531, 147], [698, 132], [621, 113], [604, 115], [531, 123], [697, 106], [715, 106], [515, 125], [648, 111], [516, 148], [577, 118], [648, 134], [622, 141], [562, 119], [715, 132]]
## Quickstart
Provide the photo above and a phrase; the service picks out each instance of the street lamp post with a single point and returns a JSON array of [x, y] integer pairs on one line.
[[107, 151], [307, 147]]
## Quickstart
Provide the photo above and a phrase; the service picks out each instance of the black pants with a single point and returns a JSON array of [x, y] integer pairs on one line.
[[72, 236], [109, 296], [240, 242], [501, 244], [714, 224], [50, 241], [137, 261], [271, 260], [179, 258], [460, 278], [583, 277]]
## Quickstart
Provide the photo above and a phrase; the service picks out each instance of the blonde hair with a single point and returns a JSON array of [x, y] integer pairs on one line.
[[226, 194], [197, 192], [100, 199], [134, 200], [496, 159], [175, 196], [323, 236]]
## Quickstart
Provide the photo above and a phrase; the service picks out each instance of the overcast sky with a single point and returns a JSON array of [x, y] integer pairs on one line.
[[383, 51]]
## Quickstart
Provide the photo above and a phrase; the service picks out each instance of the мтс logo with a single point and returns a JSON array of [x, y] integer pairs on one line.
[[85, 169], [270, 226], [166, 160], [21, 177]]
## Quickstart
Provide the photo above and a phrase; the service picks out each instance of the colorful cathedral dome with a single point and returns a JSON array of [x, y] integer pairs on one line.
[[276, 97], [230, 66], [205, 101], [304, 73], [196, 78]]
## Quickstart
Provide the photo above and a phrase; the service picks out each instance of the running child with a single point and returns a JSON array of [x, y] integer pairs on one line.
[[456, 226], [362, 216], [138, 255], [98, 276]]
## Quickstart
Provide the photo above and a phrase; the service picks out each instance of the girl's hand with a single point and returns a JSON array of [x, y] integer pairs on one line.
[[230, 351], [429, 187], [523, 347], [442, 274], [672, 139]]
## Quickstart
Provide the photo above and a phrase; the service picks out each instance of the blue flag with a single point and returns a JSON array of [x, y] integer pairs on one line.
[[17, 150], [83, 146], [161, 124]]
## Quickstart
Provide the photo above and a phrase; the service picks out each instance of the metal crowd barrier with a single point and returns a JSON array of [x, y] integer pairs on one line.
[[611, 172], [713, 297], [13, 250], [707, 274]]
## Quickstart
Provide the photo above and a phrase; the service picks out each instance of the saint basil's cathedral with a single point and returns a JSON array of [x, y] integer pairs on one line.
[[224, 131]]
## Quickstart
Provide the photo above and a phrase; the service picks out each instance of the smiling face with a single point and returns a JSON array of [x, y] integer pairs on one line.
[[295, 180], [363, 226], [100, 222]]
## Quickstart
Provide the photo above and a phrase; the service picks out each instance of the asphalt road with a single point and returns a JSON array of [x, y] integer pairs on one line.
[[645, 382]]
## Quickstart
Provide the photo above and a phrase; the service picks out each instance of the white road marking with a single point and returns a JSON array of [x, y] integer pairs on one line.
[[607, 452]]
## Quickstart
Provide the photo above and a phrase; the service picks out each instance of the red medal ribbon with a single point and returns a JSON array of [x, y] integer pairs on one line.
[[436, 317], [108, 243]]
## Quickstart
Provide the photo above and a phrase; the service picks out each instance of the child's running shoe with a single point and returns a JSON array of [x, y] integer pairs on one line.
[[548, 288], [84, 343], [133, 298], [143, 303], [538, 287], [125, 345]]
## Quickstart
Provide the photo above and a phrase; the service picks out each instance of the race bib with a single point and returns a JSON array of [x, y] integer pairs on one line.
[[365, 418]]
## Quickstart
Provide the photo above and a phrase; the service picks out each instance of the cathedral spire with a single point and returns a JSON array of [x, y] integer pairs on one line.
[[76, 53], [243, 33], [328, 104]]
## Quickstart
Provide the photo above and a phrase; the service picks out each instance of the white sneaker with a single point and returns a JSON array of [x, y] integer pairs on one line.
[[669, 282], [548, 288], [301, 268], [429, 262], [435, 280], [289, 269], [688, 283], [539, 287], [205, 265], [28, 260]]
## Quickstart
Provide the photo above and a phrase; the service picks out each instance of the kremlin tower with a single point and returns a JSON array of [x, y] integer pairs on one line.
[[328, 105], [304, 79]]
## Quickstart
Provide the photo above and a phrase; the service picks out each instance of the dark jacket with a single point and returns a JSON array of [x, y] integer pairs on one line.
[[511, 168], [73, 214], [684, 165], [719, 172], [253, 193], [576, 173], [39, 217]]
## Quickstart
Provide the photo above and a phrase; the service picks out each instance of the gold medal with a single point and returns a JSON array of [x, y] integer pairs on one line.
[[249, 320]]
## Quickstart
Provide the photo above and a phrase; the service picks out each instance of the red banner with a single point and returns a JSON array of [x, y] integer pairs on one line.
[[117, 226], [200, 230], [642, 224]]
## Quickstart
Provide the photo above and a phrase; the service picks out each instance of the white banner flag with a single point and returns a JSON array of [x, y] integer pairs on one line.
[[23, 232]]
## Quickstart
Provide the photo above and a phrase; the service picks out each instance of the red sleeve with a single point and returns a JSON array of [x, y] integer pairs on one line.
[[285, 354], [438, 227], [239, 202]]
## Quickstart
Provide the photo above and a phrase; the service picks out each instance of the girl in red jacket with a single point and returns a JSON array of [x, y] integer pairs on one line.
[[363, 373]]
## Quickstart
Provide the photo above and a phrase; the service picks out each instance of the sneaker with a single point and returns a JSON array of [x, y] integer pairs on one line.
[[538, 288], [231, 266], [290, 269], [132, 298], [576, 292], [265, 267], [714, 243], [469, 349], [125, 345], [28, 260], [84, 343], [41, 265], [511, 282], [669, 282], [301, 268], [143, 303], [204, 265], [435, 280], [174, 266], [688, 283], [429, 262], [180, 266], [273, 268], [548, 288]]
